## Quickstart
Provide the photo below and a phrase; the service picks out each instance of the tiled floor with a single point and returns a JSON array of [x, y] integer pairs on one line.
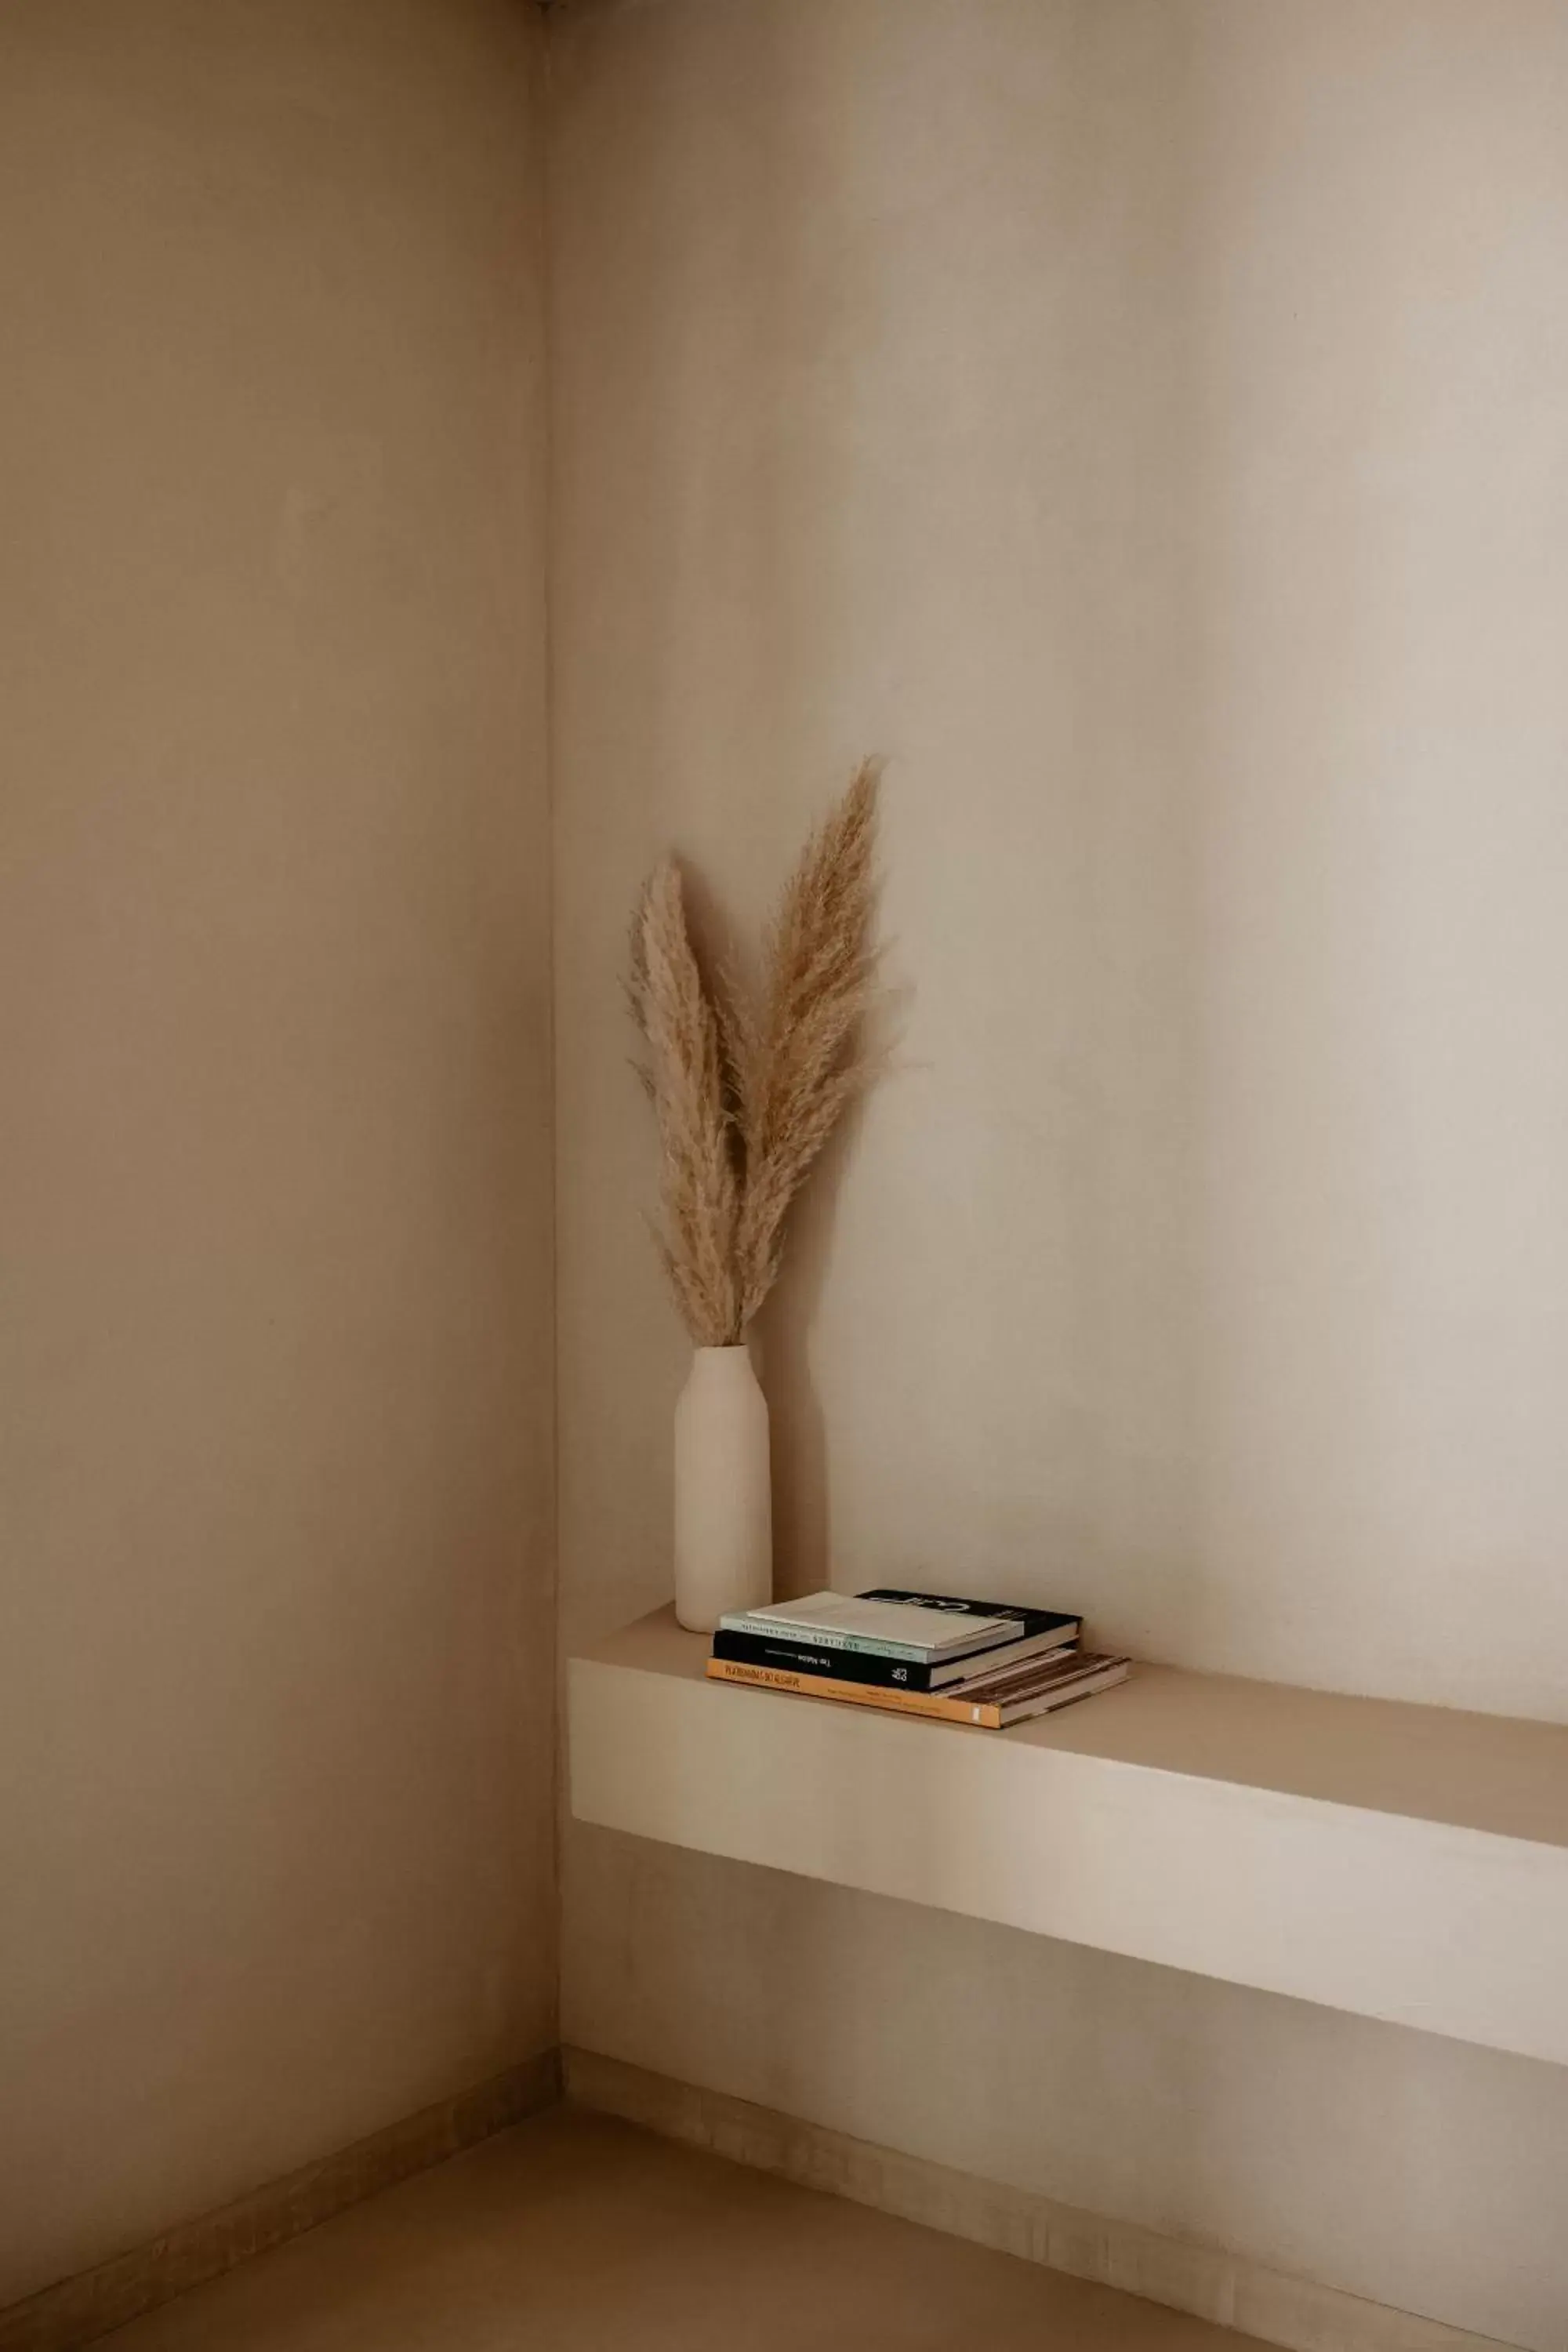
[[574, 2234]]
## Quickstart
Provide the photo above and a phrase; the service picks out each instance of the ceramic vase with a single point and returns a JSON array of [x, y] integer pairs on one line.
[[723, 1496]]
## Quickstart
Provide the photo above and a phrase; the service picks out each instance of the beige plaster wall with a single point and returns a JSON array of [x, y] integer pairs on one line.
[[1148, 424], [275, 1288]]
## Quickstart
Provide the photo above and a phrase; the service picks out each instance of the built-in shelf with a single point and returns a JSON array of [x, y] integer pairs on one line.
[[1406, 1862]]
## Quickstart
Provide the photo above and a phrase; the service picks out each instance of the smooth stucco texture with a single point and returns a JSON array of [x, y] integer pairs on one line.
[[1147, 423], [275, 1662]]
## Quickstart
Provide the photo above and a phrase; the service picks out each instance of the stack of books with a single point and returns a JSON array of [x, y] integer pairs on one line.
[[975, 1662]]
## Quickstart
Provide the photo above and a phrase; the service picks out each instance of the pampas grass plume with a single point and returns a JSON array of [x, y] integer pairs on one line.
[[746, 1092]]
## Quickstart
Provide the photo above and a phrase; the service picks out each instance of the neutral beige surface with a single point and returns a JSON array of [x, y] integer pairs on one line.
[[1161, 1841], [583, 2235], [275, 1554], [1207, 2281], [1148, 424], [1493, 1773], [111, 2295]]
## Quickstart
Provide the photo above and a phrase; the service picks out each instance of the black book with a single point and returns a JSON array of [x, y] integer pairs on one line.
[[1052, 1633]]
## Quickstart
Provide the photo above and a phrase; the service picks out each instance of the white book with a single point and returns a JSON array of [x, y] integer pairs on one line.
[[888, 1629]]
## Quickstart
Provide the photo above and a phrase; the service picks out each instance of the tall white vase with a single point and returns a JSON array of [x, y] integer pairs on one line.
[[723, 1496]]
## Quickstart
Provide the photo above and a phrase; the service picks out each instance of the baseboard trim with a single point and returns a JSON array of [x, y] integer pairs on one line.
[[1205, 2281], [81, 2309]]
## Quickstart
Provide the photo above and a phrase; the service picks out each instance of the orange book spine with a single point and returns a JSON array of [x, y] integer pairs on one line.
[[987, 1715]]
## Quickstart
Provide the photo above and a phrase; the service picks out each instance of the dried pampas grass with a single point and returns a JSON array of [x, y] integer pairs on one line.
[[685, 1080], [747, 1092]]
